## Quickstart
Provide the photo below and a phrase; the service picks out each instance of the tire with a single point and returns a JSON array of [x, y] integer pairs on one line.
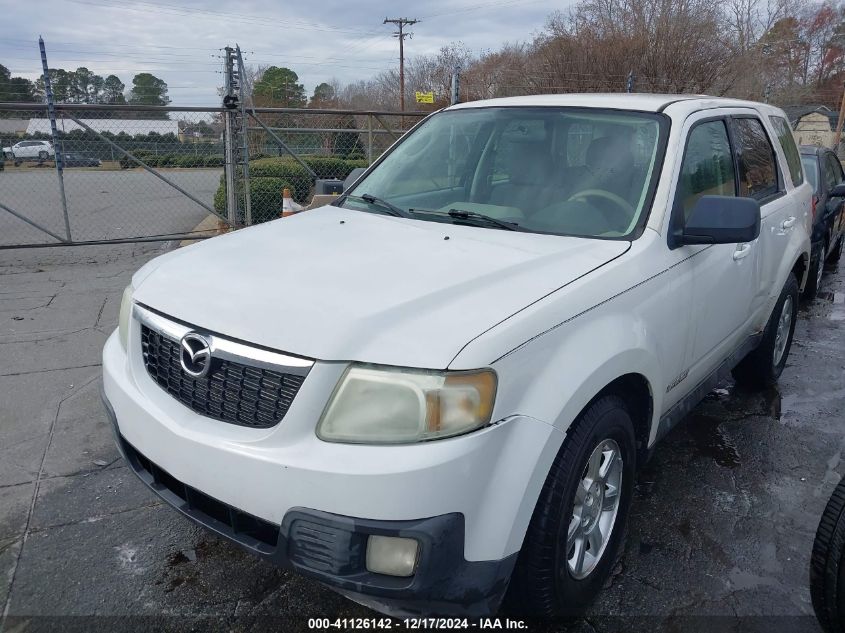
[[544, 583], [827, 573], [814, 277], [42, 155], [762, 367]]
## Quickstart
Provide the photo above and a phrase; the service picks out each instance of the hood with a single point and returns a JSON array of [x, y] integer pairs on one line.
[[336, 284]]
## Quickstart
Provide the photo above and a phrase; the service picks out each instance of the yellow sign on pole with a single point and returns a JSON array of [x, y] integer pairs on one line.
[[425, 97]]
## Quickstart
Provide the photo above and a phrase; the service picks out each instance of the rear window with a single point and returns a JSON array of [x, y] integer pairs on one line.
[[757, 166], [790, 149]]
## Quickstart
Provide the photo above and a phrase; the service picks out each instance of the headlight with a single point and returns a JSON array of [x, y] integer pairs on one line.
[[382, 405], [125, 313]]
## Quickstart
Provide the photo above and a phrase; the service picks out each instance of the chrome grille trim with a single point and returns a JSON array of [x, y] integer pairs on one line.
[[224, 348]]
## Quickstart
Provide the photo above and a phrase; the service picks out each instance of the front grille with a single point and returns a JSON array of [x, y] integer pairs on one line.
[[237, 525], [231, 392]]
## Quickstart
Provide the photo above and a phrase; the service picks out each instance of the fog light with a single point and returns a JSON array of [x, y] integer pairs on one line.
[[392, 555]]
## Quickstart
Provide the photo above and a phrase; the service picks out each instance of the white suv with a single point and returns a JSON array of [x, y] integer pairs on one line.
[[438, 390], [24, 150]]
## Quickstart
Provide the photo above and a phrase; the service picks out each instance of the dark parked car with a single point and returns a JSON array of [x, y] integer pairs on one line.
[[80, 160], [824, 172]]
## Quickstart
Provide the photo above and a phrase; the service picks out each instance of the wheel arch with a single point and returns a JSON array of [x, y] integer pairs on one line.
[[631, 386], [636, 391]]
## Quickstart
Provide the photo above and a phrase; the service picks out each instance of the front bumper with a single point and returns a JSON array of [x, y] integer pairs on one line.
[[271, 490], [332, 548]]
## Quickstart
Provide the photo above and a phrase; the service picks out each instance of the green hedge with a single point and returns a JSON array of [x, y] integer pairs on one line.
[[268, 176], [265, 197], [173, 160]]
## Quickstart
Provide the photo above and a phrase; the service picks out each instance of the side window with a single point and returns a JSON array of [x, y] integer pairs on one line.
[[790, 149], [708, 167], [757, 166]]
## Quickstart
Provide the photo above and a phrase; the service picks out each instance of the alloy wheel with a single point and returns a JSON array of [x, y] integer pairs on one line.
[[784, 327], [594, 511]]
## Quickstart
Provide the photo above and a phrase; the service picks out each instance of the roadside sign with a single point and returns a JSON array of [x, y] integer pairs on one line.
[[425, 97]]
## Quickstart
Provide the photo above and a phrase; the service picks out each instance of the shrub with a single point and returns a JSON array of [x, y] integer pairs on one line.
[[265, 196], [172, 160], [190, 160], [287, 169]]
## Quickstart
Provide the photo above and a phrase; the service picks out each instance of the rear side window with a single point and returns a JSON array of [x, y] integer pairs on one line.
[[790, 149], [708, 167], [757, 166]]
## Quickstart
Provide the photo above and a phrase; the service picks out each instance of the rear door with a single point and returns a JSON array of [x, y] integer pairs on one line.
[[761, 177]]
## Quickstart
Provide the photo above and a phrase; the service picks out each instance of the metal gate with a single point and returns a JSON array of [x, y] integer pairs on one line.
[[131, 174]]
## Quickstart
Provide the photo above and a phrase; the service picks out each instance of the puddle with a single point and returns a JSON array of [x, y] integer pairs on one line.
[[711, 441]]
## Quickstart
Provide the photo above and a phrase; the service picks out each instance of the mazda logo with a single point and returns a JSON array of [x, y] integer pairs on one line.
[[195, 355]]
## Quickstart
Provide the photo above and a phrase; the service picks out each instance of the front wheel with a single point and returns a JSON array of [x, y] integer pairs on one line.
[[578, 525], [763, 366], [42, 155]]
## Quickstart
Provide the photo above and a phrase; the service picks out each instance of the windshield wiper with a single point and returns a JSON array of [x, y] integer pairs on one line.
[[390, 208], [473, 215]]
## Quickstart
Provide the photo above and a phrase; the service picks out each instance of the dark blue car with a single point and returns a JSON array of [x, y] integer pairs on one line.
[[824, 172]]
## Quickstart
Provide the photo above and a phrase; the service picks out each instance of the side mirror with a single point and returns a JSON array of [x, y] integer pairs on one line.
[[354, 175], [722, 220], [838, 191]]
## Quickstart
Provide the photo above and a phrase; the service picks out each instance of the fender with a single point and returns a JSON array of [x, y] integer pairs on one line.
[[556, 390]]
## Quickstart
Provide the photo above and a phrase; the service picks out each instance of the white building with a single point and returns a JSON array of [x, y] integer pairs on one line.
[[114, 126]]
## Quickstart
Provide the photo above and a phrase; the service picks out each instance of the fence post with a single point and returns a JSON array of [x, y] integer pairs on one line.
[[370, 139], [58, 147]]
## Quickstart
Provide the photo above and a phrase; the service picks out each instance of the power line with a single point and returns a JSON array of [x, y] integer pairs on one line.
[[401, 23]]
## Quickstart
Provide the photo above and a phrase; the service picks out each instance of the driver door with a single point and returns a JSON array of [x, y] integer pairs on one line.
[[724, 275]]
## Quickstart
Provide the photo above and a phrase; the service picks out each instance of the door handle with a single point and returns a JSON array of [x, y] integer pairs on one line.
[[741, 251], [788, 223]]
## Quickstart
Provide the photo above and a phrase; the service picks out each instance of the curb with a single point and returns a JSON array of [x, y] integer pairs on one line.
[[210, 224]]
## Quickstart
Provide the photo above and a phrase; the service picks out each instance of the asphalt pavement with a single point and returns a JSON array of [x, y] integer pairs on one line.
[[102, 204], [719, 538]]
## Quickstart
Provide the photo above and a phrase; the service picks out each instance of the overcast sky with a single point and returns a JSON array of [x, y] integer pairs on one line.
[[179, 40]]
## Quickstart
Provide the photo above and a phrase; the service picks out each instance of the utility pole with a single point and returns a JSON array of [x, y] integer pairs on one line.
[[838, 135], [401, 23]]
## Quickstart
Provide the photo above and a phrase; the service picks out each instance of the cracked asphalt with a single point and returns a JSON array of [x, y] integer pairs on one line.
[[719, 538]]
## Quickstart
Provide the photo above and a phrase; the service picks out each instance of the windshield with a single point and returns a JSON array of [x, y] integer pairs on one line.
[[811, 168], [567, 171]]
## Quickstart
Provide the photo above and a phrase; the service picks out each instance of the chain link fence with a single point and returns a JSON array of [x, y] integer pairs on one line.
[[125, 173], [294, 149]]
